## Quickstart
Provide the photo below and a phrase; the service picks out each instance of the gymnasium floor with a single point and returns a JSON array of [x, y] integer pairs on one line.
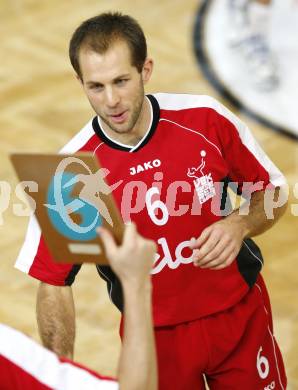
[[42, 106]]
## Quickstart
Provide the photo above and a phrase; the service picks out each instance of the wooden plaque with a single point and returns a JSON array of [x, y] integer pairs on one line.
[[72, 200]]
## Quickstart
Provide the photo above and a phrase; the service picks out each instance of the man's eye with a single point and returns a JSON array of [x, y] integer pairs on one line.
[[121, 81], [96, 87]]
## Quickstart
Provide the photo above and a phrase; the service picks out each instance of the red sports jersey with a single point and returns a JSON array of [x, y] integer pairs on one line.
[[173, 184], [26, 365]]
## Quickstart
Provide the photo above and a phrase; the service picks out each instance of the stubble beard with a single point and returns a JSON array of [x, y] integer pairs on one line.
[[132, 121], [135, 116]]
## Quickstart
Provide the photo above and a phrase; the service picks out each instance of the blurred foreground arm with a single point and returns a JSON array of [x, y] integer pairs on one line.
[[132, 262]]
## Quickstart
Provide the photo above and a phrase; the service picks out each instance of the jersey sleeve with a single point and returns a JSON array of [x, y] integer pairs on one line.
[[36, 260], [26, 365], [248, 164]]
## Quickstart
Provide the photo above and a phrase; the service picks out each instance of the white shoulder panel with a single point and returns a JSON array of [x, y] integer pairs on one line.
[[181, 101], [79, 140], [45, 366], [174, 102]]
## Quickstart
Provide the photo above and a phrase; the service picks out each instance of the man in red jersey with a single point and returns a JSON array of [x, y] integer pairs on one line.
[[26, 365], [173, 157]]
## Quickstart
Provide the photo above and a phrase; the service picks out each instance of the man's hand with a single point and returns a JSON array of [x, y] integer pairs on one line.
[[133, 260], [218, 245]]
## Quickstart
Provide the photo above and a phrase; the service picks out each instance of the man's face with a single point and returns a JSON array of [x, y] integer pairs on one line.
[[114, 87]]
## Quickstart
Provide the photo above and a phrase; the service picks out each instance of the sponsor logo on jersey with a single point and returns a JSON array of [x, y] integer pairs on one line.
[[144, 167], [203, 183], [168, 259]]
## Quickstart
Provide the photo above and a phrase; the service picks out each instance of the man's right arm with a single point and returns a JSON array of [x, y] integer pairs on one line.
[[132, 263], [137, 365], [56, 318]]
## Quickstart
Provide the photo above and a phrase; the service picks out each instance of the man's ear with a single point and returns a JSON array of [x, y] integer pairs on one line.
[[147, 70]]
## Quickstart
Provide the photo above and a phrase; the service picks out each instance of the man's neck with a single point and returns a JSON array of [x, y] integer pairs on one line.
[[141, 127]]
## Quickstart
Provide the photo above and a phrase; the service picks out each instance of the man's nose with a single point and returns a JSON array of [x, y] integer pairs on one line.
[[112, 97]]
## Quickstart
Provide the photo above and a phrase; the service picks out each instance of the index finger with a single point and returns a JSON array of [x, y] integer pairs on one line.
[[196, 244], [130, 232]]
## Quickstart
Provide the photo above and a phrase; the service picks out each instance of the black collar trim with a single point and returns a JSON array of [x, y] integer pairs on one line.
[[155, 119]]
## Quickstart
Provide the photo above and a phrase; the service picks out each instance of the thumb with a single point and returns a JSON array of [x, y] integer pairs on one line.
[[107, 239]]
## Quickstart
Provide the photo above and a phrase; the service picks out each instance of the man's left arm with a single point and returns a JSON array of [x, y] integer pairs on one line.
[[219, 244]]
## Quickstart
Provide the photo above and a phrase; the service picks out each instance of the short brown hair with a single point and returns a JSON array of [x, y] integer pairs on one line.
[[100, 32]]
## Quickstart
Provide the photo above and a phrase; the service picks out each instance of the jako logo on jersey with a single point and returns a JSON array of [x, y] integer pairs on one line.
[[270, 387], [203, 184], [144, 167]]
